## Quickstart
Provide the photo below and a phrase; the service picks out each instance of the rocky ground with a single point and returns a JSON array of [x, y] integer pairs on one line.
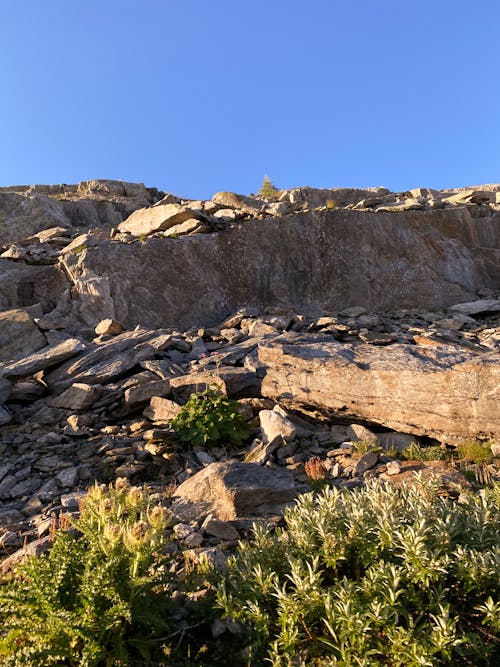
[[82, 403]]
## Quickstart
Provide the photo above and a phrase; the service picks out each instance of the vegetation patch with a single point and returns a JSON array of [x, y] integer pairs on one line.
[[210, 418], [380, 576]]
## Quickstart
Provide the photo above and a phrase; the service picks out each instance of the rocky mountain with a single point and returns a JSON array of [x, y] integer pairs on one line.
[[333, 317]]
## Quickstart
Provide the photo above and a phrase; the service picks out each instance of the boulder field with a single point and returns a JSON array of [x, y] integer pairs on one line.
[[334, 317]]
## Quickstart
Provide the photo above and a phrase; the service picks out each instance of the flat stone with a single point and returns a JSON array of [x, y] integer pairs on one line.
[[48, 357], [220, 529], [476, 307], [158, 218], [110, 359], [138, 395]]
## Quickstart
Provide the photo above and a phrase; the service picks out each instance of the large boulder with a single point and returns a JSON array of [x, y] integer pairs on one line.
[[156, 219], [231, 490], [445, 392]]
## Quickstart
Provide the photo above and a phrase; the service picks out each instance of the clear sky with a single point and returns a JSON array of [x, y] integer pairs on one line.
[[195, 96]]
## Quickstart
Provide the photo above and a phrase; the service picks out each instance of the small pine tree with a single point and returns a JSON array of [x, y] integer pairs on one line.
[[268, 189]]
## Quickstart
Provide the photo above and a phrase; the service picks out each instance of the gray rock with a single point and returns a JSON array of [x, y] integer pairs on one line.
[[476, 307], [68, 477], [19, 335], [231, 489], [39, 361], [5, 390], [138, 395], [275, 425], [220, 529], [6, 415], [460, 255], [161, 409], [109, 359], [445, 392], [79, 396]]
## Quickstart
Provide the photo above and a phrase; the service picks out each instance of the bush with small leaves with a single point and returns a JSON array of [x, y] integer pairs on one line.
[[379, 576], [209, 418]]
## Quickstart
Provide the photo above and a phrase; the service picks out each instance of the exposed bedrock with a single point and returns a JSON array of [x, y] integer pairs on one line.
[[445, 392], [313, 262]]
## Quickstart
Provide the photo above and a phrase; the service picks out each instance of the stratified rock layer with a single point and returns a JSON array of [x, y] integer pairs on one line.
[[444, 392], [314, 262]]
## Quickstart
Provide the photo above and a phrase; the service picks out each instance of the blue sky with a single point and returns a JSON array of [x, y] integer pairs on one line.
[[195, 96]]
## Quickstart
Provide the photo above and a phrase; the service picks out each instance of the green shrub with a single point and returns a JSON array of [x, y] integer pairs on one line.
[[475, 452], [380, 576], [97, 597], [210, 418], [421, 453]]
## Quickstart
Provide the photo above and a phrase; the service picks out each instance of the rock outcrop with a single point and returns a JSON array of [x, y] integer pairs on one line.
[[446, 392], [339, 319]]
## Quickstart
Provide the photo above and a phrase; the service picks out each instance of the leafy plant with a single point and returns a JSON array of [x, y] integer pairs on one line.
[[209, 418], [100, 595], [380, 576]]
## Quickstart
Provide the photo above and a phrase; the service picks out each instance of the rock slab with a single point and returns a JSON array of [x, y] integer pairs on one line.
[[445, 392]]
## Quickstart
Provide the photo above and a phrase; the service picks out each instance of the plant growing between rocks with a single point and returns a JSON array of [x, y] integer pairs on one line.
[[210, 418], [101, 595]]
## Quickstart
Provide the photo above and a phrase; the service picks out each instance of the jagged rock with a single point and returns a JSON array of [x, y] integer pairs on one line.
[[158, 218], [22, 285], [275, 425], [22, 216], [444, 392], [142, 393], [41, 361], [79, 396], [231, 489], [109, 359]]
